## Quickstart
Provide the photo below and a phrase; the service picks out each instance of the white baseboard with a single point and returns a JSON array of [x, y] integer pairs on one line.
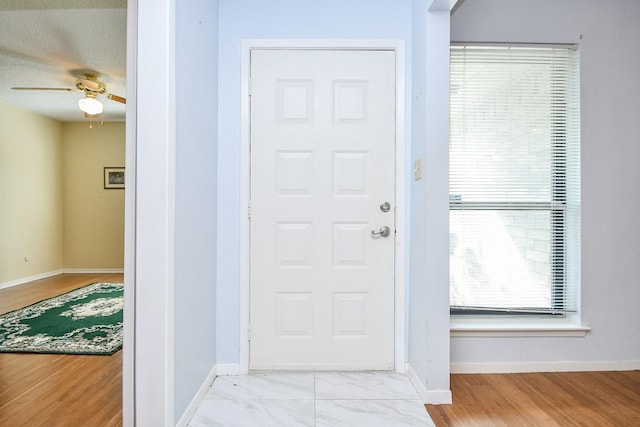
[[431, 397], [199, 397], [559, 366], [23, 280], [93, 270], [230, 369], [438, 397]]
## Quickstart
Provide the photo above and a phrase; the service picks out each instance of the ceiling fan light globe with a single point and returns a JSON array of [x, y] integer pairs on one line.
[[90, 105]]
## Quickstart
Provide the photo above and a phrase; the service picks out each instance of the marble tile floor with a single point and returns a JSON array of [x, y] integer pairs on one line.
[[317, 399]]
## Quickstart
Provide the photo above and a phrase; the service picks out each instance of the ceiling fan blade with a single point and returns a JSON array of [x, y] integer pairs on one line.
[[45, 88], [116, 98]]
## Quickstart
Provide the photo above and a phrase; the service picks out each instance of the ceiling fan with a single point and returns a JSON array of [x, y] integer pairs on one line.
[[92, 87]]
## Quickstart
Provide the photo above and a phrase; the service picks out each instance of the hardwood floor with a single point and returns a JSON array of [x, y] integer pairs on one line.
[[584, 399], [70, 391], [52, 389]]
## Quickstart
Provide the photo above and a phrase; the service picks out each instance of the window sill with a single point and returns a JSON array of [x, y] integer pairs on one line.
[[514, 327]]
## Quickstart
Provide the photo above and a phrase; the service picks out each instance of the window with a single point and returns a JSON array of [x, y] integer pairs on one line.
[[514, 179]]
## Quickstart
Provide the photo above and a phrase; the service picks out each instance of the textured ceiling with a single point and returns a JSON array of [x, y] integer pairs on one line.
[[49, 43]]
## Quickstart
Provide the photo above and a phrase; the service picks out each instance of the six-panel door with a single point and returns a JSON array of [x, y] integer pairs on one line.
[[322, 167]]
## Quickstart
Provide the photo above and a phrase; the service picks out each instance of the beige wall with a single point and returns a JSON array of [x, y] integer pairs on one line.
[[93, 216], [31, 195], [53, 205]]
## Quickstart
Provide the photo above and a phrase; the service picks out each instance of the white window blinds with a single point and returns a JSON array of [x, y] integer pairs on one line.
[[514, 178]]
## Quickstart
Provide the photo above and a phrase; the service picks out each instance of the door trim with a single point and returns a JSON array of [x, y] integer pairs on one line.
[[401, 179]]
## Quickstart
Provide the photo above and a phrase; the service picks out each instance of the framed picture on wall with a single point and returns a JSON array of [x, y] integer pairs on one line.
[[113, 178]]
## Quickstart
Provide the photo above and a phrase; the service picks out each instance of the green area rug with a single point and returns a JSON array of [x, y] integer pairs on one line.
[[87, 320]]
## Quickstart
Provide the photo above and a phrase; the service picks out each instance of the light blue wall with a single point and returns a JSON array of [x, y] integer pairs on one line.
[[427, 269], [428, 301], [287, 19], [186, 160], [196, 68]]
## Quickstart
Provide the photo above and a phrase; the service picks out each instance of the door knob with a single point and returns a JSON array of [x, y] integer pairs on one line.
[[383, 231], [385, 207]]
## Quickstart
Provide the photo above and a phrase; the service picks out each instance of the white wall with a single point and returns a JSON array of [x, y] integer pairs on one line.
[[253, 19], [150, 213], [173, 158], [173, 163], [608, 35], [196, 196]]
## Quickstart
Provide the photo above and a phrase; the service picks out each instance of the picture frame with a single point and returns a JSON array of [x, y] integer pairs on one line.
[[113, 178]]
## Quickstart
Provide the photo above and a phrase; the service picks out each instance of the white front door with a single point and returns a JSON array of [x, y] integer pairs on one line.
[[322, 179]]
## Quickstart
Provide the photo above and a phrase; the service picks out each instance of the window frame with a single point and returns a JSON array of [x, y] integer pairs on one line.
[[557, 207]]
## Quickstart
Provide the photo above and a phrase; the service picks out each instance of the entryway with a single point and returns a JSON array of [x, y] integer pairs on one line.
[[321, 399], [322, 209]]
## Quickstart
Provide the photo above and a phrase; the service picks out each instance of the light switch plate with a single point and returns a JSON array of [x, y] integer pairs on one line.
[[417, 169]]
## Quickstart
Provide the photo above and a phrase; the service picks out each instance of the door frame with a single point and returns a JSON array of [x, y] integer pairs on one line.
[[401, 167]]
